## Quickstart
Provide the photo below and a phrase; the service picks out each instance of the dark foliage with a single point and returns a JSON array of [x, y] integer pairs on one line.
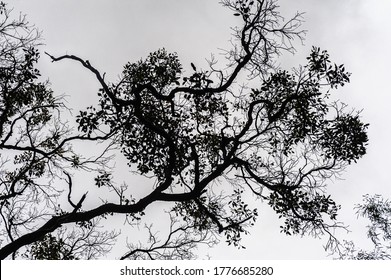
[[378, 211], [207, 141]]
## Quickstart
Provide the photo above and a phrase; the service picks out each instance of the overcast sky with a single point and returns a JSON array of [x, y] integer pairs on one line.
[[355, 32]]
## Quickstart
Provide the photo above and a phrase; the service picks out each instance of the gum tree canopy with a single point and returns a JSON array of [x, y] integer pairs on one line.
[[210, 142]]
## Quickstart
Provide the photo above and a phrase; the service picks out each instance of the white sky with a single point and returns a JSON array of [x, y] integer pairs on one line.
[[355, 32]]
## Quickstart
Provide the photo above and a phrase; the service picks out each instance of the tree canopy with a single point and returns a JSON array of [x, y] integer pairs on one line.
[[209, 140]]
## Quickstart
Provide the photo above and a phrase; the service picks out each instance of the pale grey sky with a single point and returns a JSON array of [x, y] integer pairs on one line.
[[355, 32]]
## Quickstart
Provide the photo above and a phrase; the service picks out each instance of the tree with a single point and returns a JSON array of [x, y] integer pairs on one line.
[[378, 211], [208, 142], [35, 149]]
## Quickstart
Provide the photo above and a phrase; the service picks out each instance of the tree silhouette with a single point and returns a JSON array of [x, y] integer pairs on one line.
[[378, 211], [205, 139]]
